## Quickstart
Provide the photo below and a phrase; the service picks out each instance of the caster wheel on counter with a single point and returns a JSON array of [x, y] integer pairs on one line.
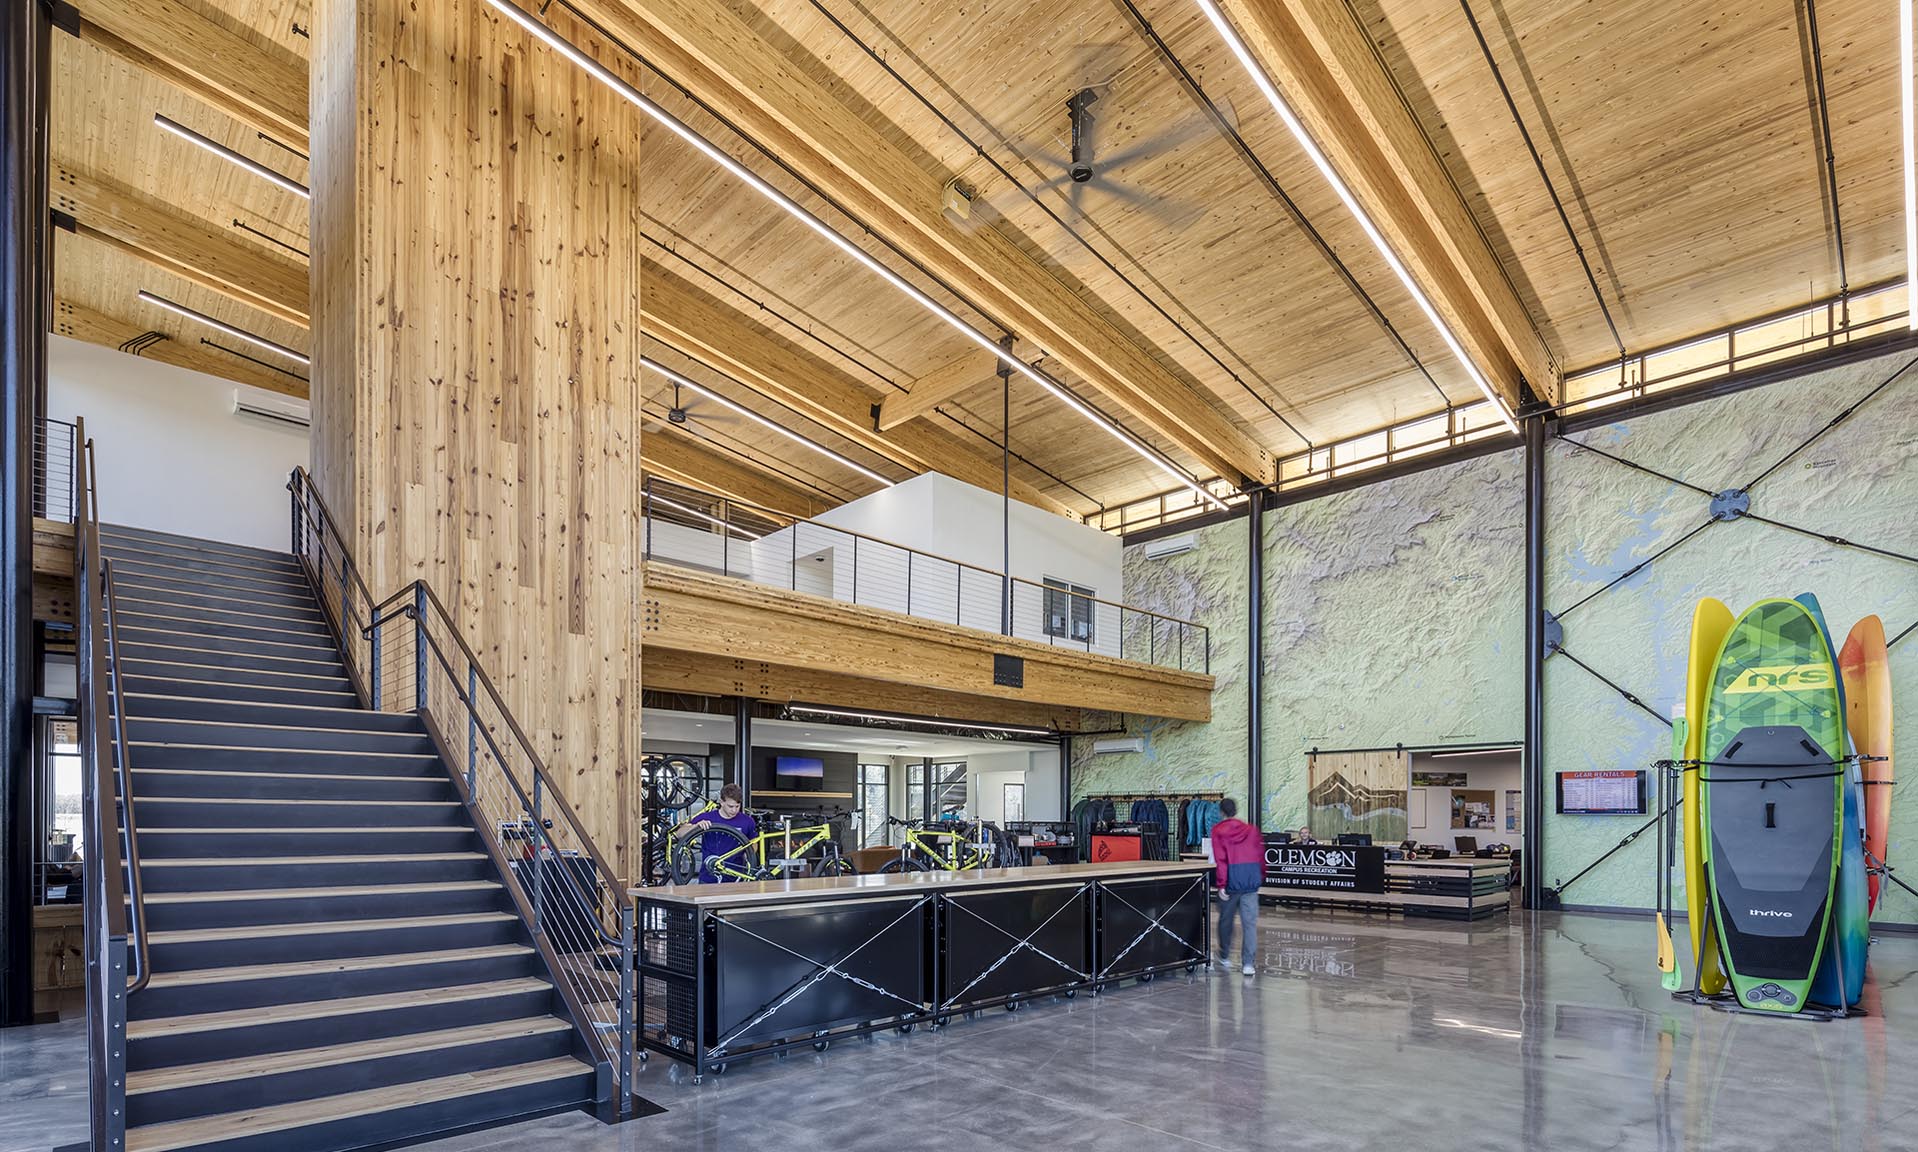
[[942, 1022], [1012, 1005], [904, 1029], [1071, 992], [819, 1043], [1146, 977]]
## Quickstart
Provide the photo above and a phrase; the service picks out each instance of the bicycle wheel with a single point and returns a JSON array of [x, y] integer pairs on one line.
[[676, 781], [903, 864], [689, 856]]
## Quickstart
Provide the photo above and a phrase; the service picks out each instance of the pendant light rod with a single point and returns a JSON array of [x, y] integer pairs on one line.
[[232, 157], [223, 326], [701, 390]]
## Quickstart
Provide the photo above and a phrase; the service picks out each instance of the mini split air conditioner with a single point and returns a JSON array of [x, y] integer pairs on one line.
[[1168, 546], [285, 411], [1125, 744]]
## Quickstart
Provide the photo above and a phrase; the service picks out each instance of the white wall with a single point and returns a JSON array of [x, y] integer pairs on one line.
[[942, 517], [1497, 774], [172, 454]]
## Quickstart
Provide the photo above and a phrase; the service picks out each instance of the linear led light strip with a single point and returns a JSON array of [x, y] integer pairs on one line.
[[224, 327], [849, 714], [756, 418], [633, 96], [232, 157], [691, 511], [1231, 37], [1906, 128]]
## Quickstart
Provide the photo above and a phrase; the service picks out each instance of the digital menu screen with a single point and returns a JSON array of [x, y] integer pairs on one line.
[[1601, 793]]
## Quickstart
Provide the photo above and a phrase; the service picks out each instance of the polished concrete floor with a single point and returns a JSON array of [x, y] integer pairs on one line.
[[1541, 1033]]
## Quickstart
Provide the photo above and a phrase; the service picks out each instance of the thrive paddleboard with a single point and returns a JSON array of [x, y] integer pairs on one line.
[[1711, 620], [1841, 973], [1771, 801], [1866, 673]]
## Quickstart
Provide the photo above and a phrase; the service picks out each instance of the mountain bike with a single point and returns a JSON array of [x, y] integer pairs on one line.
[[951, 847], [774, 854]]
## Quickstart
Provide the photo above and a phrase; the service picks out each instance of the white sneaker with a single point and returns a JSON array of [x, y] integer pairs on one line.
[[1248, 970]]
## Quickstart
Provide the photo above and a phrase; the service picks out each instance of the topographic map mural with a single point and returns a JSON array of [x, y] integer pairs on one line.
[[1858, 482]]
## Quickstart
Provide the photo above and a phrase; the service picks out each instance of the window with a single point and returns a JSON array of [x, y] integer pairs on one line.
[[874, 806], [1015, 803], [1068, 610], [949, 791], [916, 792]]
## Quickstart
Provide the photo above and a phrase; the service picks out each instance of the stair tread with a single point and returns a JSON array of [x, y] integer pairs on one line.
[[272, 861], [323, 927], [138, 695], [122, 597], [142, 532], [284, 750], [248, 773], [333, 663], [310, 1059], [245, 894], [323, 1109], [196, 977], [145, 801], [319, 1009], [126, 660], [364, 830], [258, 727], [139, 622]]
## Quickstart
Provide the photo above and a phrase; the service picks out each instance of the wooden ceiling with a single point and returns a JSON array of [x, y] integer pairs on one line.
[[1683, 140]]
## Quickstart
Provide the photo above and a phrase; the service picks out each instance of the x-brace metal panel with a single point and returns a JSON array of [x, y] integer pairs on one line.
[[1157, 924], [821, 970], [1020, 944]]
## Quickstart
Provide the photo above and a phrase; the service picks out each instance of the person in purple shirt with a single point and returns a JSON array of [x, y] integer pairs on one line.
[[730, 814]]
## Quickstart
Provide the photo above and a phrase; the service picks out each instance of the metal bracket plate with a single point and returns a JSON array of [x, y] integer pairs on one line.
[[1731, 504]]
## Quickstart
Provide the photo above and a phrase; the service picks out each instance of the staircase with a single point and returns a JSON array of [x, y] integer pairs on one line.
[[336, 961]]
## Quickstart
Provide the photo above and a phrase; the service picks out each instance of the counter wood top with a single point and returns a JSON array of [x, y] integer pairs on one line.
[[906, 883]]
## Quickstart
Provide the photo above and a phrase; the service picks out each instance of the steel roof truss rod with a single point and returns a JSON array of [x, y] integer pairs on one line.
[[1831, 160], [1613, 685], [1633, 465], [1833, 423], [819, 227], [983, 154], [1271, 182], [1840, 541], [1638, 567], [1545, 178]]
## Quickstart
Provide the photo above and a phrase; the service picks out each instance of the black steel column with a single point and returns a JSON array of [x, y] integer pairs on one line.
[[1005, 495], [24, 50], [1254, 659], [1534, 767], [743, 747]]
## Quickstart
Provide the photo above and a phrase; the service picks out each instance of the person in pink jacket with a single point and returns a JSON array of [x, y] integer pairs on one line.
[[1239, 853]]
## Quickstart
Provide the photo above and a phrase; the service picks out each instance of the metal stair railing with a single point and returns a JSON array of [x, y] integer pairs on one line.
[[407, 654], [115, 906], [691, 528]]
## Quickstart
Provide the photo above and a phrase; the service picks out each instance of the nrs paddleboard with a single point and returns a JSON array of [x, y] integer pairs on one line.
[[1771, 801], [1840, 979]]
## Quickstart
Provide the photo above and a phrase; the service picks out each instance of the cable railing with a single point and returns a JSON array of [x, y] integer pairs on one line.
[[114, 903], [407, 655], [703, 530], [55, 487]]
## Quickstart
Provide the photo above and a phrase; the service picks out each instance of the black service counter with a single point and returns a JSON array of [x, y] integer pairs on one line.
[[731, 970]]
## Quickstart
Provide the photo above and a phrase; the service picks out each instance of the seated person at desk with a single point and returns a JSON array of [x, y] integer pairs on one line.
[[1304, 836], [729, 814]]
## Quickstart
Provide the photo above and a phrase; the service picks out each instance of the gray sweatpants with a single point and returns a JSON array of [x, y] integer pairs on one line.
[[1244, 908]]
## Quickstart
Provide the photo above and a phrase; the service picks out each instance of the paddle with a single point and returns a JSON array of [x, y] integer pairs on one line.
[[1667, 955]]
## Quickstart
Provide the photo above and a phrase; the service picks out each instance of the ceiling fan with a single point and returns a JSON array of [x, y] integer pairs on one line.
[[1082, 168]]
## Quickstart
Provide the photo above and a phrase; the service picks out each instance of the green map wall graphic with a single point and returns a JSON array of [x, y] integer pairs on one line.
[[1395, 612], [1859, 482]]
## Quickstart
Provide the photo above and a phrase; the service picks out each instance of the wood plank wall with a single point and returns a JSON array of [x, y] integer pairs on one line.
[[476, 402]]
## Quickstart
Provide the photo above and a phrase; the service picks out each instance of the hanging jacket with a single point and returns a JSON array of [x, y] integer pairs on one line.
[[1238, 851]]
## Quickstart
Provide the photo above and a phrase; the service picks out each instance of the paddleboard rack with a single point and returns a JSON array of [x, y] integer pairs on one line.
[[1726, 1002]]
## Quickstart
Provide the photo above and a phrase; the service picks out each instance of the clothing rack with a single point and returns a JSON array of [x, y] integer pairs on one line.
[[1166, 816]]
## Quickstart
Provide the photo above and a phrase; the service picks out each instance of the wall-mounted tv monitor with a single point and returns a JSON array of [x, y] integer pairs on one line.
[[799, 770], [1620, 793]]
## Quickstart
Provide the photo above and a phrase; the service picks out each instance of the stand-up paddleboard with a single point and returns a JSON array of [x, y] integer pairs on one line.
[[1771, 801], [1841, 973], [1866, 672], [1711, 620]]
